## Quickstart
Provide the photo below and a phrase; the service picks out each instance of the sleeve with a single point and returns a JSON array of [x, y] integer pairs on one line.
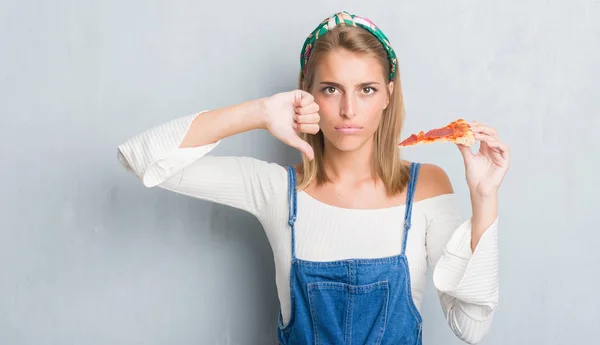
[[155, 158], [467, 281]]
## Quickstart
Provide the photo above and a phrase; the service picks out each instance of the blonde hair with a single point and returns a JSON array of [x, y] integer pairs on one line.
[[386, 163]]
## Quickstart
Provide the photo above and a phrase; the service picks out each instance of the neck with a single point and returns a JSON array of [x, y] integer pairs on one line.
[[353, 166]]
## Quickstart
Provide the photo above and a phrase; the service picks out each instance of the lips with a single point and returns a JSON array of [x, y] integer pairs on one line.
[[348, 129]]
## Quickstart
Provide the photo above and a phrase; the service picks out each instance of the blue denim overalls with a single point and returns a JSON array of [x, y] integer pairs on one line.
[[355, 301]]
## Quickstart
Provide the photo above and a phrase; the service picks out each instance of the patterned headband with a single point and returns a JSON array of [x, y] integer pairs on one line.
[[346, 19]]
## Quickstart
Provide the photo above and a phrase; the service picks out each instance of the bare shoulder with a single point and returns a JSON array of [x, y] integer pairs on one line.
[[432, 181]]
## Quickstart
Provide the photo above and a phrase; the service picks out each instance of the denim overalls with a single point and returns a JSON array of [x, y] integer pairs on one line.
[[355, 301]]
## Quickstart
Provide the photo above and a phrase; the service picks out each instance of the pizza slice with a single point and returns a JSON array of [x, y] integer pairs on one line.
[[457, 132]]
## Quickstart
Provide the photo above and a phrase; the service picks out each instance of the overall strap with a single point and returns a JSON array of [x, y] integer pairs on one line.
[[292, 196], [410, 193]]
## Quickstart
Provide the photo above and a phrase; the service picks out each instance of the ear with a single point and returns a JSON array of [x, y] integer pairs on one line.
[[390, 92]]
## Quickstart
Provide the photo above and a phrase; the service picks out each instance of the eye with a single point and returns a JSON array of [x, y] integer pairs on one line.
[[369, 90], [329, 90]]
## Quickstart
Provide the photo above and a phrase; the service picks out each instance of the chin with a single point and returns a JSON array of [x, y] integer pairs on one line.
[[348, 143]]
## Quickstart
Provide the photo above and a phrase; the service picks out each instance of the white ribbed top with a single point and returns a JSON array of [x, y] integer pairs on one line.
[[467, 282]]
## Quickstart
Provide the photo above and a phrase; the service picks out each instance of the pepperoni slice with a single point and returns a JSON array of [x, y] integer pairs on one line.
[[439, 133], [410, 140]]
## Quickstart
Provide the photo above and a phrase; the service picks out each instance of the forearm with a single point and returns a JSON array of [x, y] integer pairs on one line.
[[485, 212], [218, 124]]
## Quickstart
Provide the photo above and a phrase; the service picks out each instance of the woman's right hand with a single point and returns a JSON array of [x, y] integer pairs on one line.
[[290, 113]]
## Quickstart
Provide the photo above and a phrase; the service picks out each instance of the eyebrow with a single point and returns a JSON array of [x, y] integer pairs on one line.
[[340, 86]]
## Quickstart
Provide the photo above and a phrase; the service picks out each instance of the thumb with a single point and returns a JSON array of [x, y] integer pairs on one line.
[[466, 153], [302, 146]]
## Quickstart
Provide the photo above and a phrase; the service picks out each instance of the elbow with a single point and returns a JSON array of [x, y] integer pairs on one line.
[[471, 339], [121, 156], [150, 176], [471, 325], [148, 180]]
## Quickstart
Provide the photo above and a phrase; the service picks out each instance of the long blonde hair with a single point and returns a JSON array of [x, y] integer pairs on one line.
[[386, 162]]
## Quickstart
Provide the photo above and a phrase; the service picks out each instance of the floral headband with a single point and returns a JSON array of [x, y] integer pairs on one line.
[[346, 19]]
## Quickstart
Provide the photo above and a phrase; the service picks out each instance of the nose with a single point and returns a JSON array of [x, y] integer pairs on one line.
[[347, 108]]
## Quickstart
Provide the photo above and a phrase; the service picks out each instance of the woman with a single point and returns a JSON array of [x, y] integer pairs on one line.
[[353, 227]]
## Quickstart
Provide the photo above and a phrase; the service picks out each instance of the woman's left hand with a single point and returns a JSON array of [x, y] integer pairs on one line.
[[486, 169]]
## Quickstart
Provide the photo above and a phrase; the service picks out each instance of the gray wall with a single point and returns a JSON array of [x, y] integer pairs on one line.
[[89, 256]]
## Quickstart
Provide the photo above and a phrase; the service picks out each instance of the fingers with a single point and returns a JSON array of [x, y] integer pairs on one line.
[[494, 145], [308, 118], [499, 147], [303, 98], [489, 137], [307, 109], [307, 128], [484, 137], [477, 127]]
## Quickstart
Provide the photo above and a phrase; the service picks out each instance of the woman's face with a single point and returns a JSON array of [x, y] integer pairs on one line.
[[352, 92]]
